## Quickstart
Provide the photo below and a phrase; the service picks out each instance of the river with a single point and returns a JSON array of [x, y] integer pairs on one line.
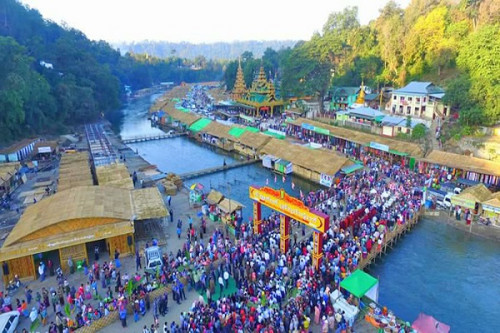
[[435, 269]]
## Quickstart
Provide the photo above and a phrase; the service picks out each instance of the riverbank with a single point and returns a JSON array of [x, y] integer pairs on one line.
[[477, 229]]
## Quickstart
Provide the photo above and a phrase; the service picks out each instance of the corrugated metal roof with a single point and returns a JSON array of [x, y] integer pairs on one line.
[[417, 87]]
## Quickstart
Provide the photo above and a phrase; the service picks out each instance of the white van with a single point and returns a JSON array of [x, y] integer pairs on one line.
[[153, 259], [9, 321]]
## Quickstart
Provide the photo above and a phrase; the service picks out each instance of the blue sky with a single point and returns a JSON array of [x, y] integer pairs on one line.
[[200, 21]]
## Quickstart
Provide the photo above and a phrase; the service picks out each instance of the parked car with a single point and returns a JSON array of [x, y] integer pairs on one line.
[[9, 321]]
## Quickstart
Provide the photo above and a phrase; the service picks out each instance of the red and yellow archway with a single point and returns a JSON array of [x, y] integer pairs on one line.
[[289, 207]]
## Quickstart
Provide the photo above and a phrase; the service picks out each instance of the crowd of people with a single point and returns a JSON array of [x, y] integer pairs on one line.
[[282, 292]]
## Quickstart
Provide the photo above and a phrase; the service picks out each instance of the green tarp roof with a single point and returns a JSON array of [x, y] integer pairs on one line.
[[183, 109], [199, 125], [283, 162], [351, 168], [395, 152], [252, 129], [236, 131], [358, 283], [274, 135]]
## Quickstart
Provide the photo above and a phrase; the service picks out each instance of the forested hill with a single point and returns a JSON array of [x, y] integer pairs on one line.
[[53, 77], [219, 51]]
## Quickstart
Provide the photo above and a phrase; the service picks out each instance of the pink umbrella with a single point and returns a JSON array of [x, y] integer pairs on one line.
[[428, 324]]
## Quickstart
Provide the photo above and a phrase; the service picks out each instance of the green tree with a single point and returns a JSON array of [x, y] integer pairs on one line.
[[457, 93], [480, 58], [418, 132], [305, 74], [230, 74]]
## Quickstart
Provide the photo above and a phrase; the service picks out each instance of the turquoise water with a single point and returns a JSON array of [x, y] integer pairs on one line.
[[234, 184], [444, 272], [180, 155]]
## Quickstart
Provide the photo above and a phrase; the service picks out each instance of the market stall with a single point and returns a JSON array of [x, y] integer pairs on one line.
[[230, 212], [283, 167], [491, 209], [213, 199], [472, 197], [196, 195]]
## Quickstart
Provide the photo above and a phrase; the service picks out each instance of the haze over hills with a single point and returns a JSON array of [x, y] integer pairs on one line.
[[219, 50]]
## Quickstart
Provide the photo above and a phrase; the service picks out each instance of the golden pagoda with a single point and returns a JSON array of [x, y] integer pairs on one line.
[[239, 88], [260, 98], [361, 97]]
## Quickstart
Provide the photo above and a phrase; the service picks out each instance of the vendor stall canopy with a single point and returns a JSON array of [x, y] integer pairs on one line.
[[319, 161], [229, 205], [463, 162], [358, 283], [214, 197], [477, 193]]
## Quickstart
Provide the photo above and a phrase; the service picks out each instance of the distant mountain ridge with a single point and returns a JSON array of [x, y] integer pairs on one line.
[[218, 50]]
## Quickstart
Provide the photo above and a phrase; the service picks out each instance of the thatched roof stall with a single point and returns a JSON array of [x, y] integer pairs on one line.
[[472, 196], [493, 201], [148, 204], [320, 161], [186, 118], [463, 162], [214, 197], [364, 139], [166, 101], [7, 171], [229, 206], [218, 130], [254, 140], [115, 175], [74, 170]]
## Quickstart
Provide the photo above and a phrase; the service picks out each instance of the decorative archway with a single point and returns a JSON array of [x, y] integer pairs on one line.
[[289, 207]]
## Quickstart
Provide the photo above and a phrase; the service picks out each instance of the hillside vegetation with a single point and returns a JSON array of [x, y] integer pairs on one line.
[[52, 77], [454, 44]]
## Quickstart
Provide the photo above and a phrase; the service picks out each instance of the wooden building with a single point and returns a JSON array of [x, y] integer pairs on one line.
[[18, 151], [8, 179], [72, 223]]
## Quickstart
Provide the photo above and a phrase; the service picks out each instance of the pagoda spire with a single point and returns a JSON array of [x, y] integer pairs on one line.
[[239, 88], [261, 78], [361, 97]]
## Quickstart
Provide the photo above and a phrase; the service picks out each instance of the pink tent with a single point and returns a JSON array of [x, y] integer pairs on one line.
[[429, 324]]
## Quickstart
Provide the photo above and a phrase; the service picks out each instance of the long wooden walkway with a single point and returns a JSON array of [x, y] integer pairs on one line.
[[203, 172], [151, 137], [390, 239]]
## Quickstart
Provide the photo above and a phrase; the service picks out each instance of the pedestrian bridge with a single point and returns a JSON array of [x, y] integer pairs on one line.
[[209, 171], [145, 138]]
